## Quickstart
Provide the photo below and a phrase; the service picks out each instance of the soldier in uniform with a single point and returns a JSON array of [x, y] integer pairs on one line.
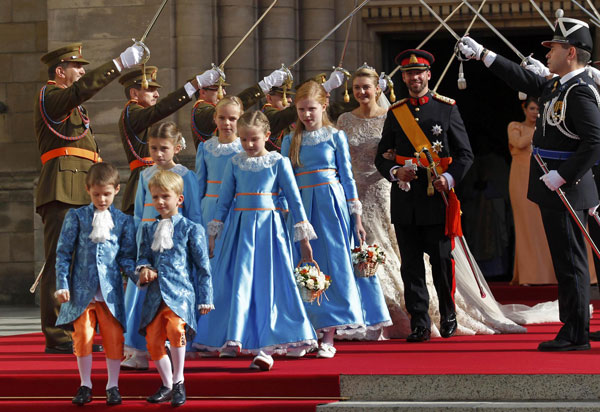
[[67, 148], [203, 113], [281, 116], [567, 138], [143, 110], [418, 212]]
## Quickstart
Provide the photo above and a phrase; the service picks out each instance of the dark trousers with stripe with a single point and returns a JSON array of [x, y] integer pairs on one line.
[[569, 258], [53, 215], [413, 241]]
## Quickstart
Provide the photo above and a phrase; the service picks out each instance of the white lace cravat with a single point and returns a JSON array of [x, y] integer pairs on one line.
[[101, 226], [163, 237]]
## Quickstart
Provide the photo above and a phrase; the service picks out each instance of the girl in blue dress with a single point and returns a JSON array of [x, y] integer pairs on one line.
[[323, 169], [164, 142], [258, 308], [213, 154]]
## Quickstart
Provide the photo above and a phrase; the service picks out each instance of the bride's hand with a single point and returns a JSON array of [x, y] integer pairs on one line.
[[389, 155], [361, 233]]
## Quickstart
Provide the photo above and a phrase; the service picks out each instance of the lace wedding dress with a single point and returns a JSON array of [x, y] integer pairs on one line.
[[475, 315]]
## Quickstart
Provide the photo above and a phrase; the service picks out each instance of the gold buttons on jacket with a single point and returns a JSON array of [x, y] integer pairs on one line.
[[417, 109]]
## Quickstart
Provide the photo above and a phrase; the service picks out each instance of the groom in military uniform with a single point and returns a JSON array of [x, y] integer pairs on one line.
[[67, 148], [567, 139], [425, 121]]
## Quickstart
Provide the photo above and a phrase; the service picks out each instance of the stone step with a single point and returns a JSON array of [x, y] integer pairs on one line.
[[454, 406], [464, 388]]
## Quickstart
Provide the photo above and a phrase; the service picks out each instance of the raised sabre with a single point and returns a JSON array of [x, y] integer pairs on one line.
[[570, 209], [462, 82], [589, 2], [288, 83], [339, 66], [537, 8], [237, 46], [140, 42], [461, 239], [593, 18]]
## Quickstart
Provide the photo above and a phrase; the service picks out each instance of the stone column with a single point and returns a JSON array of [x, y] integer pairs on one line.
[[196, 49], [317, 17], [235, 17], [277, 33]]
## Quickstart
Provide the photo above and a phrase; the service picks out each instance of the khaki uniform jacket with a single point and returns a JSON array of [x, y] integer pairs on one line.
[[134, 123], [203, 114], [63, 178], [281, 122]]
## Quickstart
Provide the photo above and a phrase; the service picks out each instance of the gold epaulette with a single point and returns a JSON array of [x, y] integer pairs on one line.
[[444, 99], [398, 103]]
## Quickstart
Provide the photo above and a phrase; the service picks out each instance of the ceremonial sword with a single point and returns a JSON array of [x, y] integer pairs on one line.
[[288, 83], [570, 209], [462, 82], [221, 66], [146, 55], [388, 77], [593, 18], [537, 8], [461, 239], [339, 66], [593, 9]]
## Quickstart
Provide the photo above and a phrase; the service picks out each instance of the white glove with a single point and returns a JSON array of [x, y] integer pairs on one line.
[[275, 79], [132, 56], [383, 84], [406, 185], [536, 67], [593, 73], [208, 78], [553, 180], [470, 48], [336, 79], [592, 210]]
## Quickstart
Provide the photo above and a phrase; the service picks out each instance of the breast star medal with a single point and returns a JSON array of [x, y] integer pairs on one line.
[[436, 130]]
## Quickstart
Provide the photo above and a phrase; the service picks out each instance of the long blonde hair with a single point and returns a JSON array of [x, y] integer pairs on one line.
[[309, 90], [230, 100]]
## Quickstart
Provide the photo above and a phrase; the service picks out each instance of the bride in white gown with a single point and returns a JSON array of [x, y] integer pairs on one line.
[[475, 315]]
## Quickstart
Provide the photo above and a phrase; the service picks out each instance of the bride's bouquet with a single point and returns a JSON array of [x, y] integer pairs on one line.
[[366, 260], [311, 282]]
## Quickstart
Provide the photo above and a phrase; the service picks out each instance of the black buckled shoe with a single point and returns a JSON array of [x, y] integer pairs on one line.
[[96, 347], [163, 394], [560, 345], [595, 336], [448, 326], [178, 394], [419, 334], [83, 396], [113, 397]]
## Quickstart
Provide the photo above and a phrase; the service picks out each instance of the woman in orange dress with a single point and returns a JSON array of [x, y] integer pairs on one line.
[[533, 263]]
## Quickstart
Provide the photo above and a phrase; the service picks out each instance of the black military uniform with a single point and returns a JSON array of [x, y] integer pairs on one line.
[[567, 137], [68, 149], [134, 123], [419, 219]]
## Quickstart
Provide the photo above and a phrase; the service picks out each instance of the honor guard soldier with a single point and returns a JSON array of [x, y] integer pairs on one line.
[[67, 148], [143, 110], [423, 120], [567, 139], [203, 113], [281, 114]]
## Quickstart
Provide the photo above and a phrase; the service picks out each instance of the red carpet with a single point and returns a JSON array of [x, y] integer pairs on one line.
[[26, 372]]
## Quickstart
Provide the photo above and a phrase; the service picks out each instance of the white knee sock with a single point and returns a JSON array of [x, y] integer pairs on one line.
[[84, 364], [113, 366], [164, 370], [178, 357]]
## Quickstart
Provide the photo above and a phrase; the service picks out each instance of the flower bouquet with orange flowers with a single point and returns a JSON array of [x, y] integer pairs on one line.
[[366, 260], [311, 282]]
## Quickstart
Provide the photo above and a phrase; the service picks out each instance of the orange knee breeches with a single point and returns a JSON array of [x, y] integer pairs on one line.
[[166, 324], [110, 329]]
